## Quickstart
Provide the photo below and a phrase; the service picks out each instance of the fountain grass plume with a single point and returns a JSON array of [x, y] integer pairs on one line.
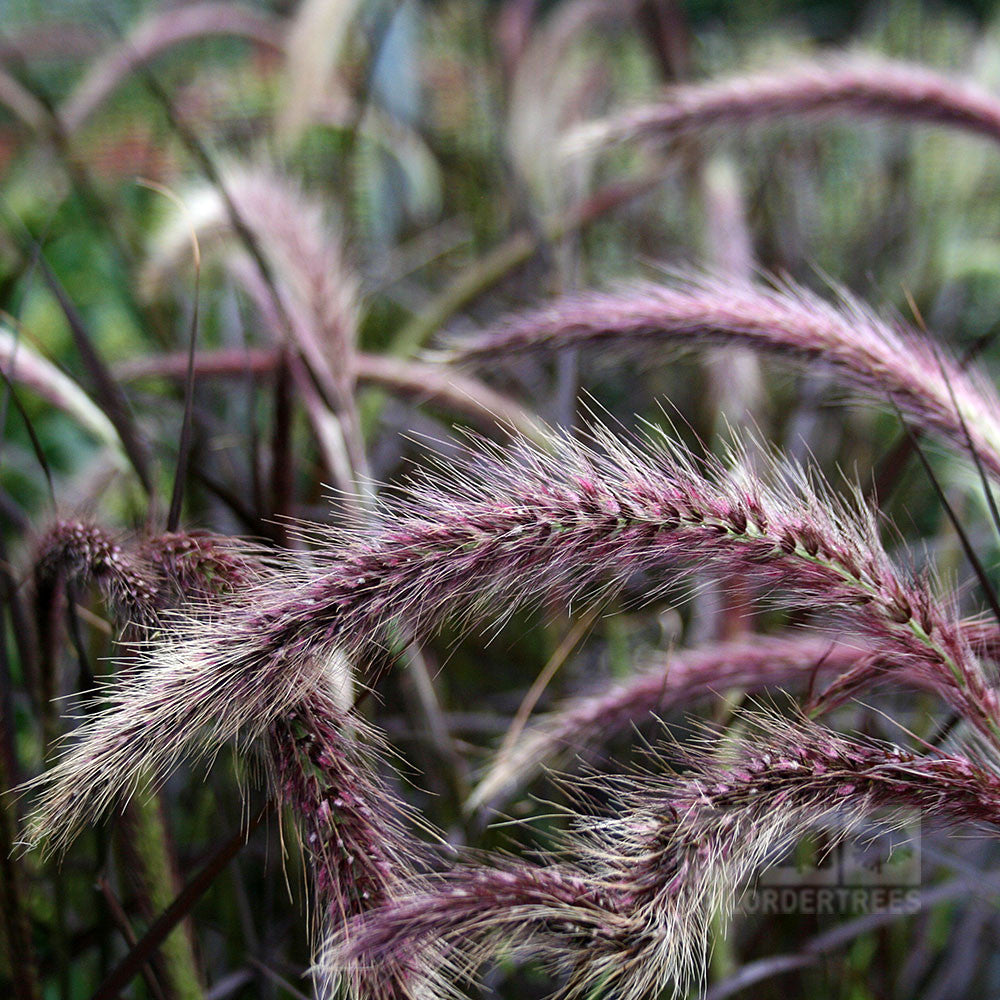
[[855, 87], [458, 921], [755, 663], [629, 911], [318, 290], [198, 566], [472, 542], [158, 33], [147, 718], [78, 551], [139, 582], [873, 355], [293, 265], [349, 825], [352, 829], [140, 587]]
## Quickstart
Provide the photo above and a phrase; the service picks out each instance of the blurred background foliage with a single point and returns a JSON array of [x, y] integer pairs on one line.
[[425, 131]]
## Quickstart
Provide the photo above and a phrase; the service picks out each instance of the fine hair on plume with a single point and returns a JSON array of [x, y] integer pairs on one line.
[[321, 760]]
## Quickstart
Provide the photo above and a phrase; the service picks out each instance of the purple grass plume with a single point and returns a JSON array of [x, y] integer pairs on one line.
[[753, 664], [878, 357], [627, 908], [353, 830], [866, 88], [350, 826], [197, 566], [139, 582], [76, 551], [291, 261], [571, 522], [161, 31], [318, 292]]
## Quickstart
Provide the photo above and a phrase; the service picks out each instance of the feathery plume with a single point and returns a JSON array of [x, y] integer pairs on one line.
[[152, 717], [874, 355], [317, 39], [351, 827], [157, 34], [79, 551], [456, 922], [197, 566], [162, 572], [551, 63], [562, 523], [754, 664], [866, 88], [319, 293], [299, 280], [629, 911], [139, 585], [74, 553]]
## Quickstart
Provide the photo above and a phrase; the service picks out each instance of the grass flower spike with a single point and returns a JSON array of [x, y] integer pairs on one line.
[[877, 357], [565, 523], [629, 910]]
